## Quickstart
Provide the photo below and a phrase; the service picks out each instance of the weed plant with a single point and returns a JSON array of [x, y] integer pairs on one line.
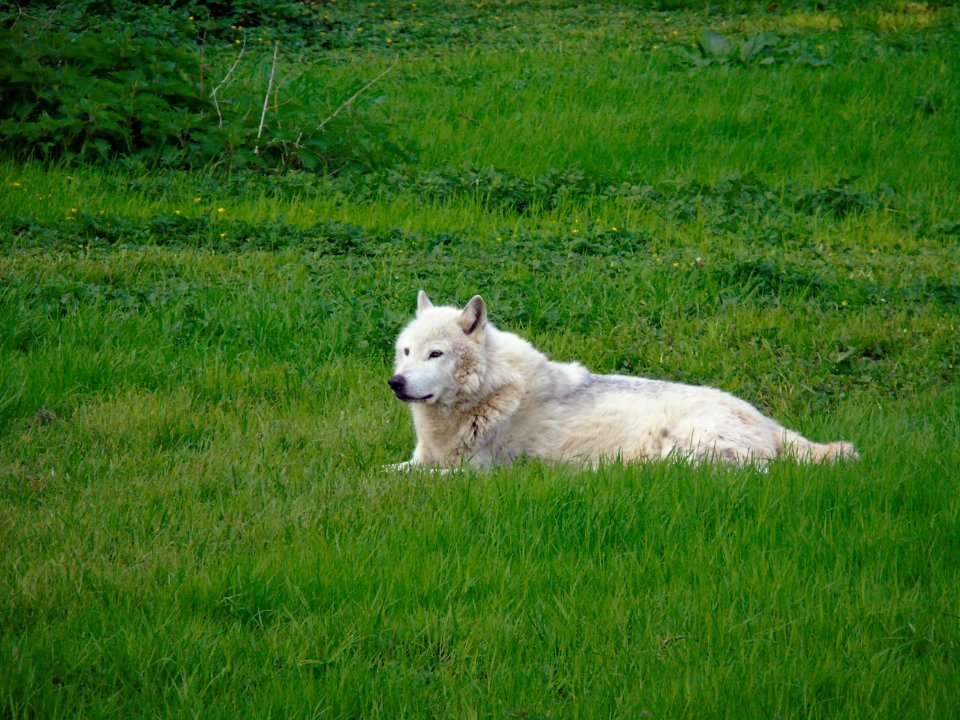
[[174, 87], [194, 415]]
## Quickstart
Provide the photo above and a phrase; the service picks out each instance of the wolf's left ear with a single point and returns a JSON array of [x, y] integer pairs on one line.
[[474, 316], [423, 302]]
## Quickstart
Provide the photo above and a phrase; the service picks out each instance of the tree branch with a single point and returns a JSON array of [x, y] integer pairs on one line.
[[357, 94], [266, 98], [226, 77]]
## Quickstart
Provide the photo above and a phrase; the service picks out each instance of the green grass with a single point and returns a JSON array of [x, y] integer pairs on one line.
[[194, 414]]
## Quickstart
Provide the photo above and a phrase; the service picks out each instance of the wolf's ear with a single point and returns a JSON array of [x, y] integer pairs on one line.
[[474, 316], [423, 302]]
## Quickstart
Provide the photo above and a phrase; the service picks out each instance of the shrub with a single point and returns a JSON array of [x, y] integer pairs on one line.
[[99, 81]]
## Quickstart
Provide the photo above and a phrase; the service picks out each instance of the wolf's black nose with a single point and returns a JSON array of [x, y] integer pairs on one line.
[[397, 382]]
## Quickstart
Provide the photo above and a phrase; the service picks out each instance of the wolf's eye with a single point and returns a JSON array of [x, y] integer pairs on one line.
[[406, 351], [435, 354]]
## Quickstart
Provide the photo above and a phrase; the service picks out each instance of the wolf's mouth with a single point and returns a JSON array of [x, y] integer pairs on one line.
[[409, 398]]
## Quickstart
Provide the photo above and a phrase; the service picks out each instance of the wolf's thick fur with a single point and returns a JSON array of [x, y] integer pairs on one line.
[[484, 396]]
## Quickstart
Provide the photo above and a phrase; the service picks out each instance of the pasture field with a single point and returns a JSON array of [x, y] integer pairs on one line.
[[194, 413]]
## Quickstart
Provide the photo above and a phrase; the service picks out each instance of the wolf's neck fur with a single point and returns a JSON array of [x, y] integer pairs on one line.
[[505, 371]]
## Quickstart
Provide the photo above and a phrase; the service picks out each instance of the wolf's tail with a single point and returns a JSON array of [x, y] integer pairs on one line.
[[795, 445]]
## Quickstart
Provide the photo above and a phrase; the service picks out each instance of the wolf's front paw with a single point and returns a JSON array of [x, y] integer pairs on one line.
[[411, 465], [400, 467]]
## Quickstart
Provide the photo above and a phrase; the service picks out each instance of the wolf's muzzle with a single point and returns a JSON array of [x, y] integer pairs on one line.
[[398, 384]]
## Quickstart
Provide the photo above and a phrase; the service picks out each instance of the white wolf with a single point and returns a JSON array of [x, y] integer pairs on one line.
[[483, 396]]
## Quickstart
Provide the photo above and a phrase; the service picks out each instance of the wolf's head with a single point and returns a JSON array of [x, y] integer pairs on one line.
[[439, 354]]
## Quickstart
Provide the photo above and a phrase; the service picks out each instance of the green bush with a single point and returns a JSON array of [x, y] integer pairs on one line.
[[101, 81], [96, 94]]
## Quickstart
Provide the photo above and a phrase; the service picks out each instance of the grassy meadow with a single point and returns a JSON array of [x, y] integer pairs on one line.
[[194, 413]]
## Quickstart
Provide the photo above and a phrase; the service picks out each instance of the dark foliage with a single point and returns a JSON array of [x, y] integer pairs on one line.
[[99, 81]]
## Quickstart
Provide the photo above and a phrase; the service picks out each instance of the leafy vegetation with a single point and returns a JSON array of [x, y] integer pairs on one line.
[[762, 49], [193, 353], [97, 82]]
